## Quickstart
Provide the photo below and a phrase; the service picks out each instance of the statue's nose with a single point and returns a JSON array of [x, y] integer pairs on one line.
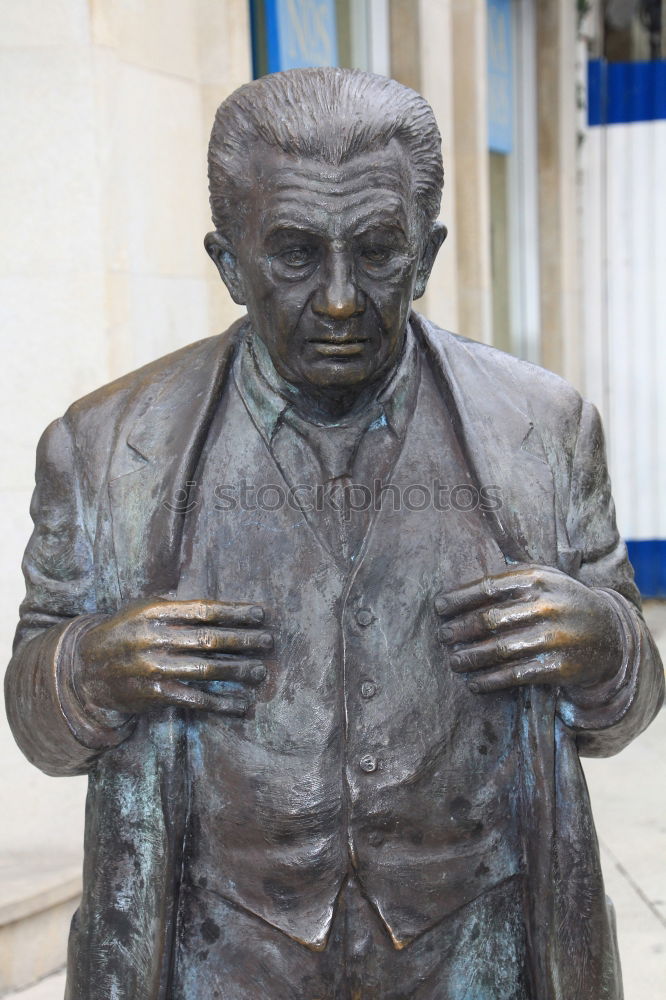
[[338, 296]]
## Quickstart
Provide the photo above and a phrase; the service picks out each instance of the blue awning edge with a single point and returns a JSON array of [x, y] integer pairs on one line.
[[648, 557], [620, 93]]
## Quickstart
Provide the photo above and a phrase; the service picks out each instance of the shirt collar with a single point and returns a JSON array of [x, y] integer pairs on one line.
[[267, 395]]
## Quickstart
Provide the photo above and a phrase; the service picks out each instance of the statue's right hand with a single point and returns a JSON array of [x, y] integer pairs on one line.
[[146, 656]]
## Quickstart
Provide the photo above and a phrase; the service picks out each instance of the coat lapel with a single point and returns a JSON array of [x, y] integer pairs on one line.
[[151, 483], [504, 448], [501, 445], [149, 474]]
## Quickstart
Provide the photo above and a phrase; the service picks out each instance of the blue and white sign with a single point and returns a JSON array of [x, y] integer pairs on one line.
[[624, 92], [300, 33], [500, 77]]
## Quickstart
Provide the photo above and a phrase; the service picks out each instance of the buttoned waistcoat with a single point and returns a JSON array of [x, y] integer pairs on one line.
[[414, 786], [107, 531]]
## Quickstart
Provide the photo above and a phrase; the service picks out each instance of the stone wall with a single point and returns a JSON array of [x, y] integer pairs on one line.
[[105, 108]]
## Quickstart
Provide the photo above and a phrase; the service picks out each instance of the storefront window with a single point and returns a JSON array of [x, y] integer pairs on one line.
[[292, 33], [512, 145]]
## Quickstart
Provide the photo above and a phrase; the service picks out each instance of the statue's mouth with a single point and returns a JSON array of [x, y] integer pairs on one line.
[[340, 348]]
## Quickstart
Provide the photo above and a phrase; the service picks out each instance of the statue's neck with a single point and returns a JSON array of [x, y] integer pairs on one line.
[[333, 406]]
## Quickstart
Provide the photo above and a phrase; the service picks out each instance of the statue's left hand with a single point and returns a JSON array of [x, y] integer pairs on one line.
[[531, 625]]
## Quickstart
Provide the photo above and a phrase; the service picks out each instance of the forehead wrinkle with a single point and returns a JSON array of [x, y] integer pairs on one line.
[[367, 222], [369, 182], [284, 211], [313, 174], [287, 215], [357, 195]]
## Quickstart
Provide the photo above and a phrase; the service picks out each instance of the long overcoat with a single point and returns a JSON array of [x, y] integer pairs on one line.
[[104, 536]]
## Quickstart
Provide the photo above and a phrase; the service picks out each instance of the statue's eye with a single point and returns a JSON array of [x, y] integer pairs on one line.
[[376, 255], [297, 256]]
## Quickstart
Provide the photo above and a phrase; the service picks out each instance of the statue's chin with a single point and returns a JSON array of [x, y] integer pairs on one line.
[[338, 379], [338, 387]]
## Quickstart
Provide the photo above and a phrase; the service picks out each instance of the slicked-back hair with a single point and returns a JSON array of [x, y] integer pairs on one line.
[[330, 115]]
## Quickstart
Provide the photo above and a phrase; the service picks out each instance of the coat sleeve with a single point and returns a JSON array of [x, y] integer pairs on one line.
[[53, 728], [607, 717]]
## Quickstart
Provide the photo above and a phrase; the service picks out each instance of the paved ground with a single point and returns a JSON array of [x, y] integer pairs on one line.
[[629, 805]]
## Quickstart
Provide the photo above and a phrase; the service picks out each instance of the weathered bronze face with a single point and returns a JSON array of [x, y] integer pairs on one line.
[[328, 261]]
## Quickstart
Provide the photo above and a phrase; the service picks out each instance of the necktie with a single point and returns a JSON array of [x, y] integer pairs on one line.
[[335, 447]]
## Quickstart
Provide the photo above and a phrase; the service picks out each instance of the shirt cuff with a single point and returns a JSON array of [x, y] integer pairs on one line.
[[94, 727], [598, 695]]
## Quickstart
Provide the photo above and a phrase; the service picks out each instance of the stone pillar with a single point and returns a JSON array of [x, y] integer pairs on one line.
[[557, 132], [441, 301], [421, 58], [225, 63], [472, 210], [106, 107]]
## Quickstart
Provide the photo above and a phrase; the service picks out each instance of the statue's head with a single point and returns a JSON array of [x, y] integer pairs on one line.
[[325, 186]]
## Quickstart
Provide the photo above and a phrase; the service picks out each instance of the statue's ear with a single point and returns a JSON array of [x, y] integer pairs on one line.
[[221, 252], [430, 251]]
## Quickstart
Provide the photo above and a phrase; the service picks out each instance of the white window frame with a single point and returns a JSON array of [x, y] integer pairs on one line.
[[370, 36], [524, 296]]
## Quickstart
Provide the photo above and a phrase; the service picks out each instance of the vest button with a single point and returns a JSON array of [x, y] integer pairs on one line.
[[368, 689], [375, 838], [364, 617], [368, 763]]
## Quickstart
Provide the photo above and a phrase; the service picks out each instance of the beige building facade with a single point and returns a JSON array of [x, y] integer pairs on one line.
[[106, 108]]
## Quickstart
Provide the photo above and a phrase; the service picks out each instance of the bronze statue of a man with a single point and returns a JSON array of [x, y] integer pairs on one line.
[[327, 607]]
